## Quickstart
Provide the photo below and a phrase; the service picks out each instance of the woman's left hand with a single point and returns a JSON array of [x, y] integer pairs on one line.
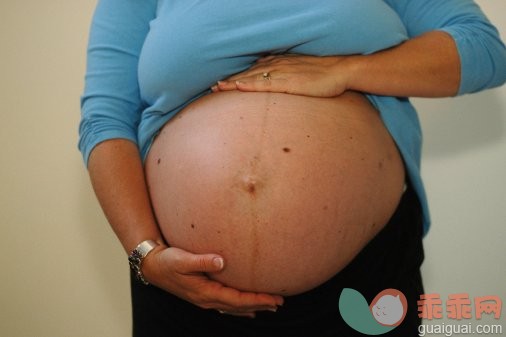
[[319, 76]]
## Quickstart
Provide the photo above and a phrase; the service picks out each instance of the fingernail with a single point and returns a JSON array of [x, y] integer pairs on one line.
[[273, 309], [239, 82], [218, 262], [214, 88], [221, 82]]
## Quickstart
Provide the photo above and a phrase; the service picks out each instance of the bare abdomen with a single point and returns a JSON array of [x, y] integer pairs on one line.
[[288, 189]]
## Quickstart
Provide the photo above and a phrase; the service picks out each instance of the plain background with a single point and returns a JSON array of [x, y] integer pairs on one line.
[[62, 271]]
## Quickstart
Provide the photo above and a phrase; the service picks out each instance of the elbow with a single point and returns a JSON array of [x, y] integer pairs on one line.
[[95, 130], [497, 60], [482, 55], [483, 68]]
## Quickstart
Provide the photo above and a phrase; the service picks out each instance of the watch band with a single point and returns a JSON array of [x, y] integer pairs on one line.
[[137, 256]]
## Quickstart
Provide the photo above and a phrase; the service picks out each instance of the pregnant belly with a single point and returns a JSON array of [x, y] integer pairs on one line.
[[288, 189]]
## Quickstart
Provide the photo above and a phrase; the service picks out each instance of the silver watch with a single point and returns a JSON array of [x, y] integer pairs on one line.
[[137, 256]]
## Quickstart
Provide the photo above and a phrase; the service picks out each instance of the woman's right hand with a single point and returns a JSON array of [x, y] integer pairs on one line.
[[116, 172], [184, 275]]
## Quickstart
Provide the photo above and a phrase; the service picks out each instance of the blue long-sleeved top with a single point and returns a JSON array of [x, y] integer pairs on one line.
[[148, 59]]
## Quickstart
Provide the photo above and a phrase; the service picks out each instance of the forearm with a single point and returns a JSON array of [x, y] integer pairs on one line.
[[425, 66], [117, 176]]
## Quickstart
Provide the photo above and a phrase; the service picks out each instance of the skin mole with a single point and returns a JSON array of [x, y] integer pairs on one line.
[[286, 149]]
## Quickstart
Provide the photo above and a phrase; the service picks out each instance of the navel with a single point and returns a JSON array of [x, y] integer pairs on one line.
[[251, 185]]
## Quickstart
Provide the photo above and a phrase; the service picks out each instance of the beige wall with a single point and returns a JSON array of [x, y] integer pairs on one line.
[[62, 271]]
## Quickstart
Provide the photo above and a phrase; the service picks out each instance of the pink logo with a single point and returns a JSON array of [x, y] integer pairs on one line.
[[458, 306]]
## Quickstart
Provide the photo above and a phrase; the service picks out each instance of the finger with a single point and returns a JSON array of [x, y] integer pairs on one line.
[[267, 84], [266, 58], [251, 72], [231, 83], [232, 298], [239, 314], [210, 294], [246, 312], [226, 85], [269, 58], [188, 263]]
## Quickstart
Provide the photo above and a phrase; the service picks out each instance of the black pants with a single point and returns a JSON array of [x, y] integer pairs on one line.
[[391, 260]]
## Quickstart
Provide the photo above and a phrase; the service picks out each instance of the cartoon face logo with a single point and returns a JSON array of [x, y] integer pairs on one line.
[[386, 312], [389, 307]]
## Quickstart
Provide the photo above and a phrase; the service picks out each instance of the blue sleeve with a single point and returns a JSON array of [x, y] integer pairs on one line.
[[482, 53], [111, 104]]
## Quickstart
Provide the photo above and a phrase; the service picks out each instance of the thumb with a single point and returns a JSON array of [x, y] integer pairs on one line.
[[204, 263]]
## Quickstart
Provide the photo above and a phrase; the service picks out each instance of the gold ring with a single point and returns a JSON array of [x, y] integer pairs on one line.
[[266, 76]]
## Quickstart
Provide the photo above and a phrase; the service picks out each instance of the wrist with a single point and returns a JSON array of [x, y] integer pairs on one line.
[[150, 266], [350, 69], [139, 255]]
